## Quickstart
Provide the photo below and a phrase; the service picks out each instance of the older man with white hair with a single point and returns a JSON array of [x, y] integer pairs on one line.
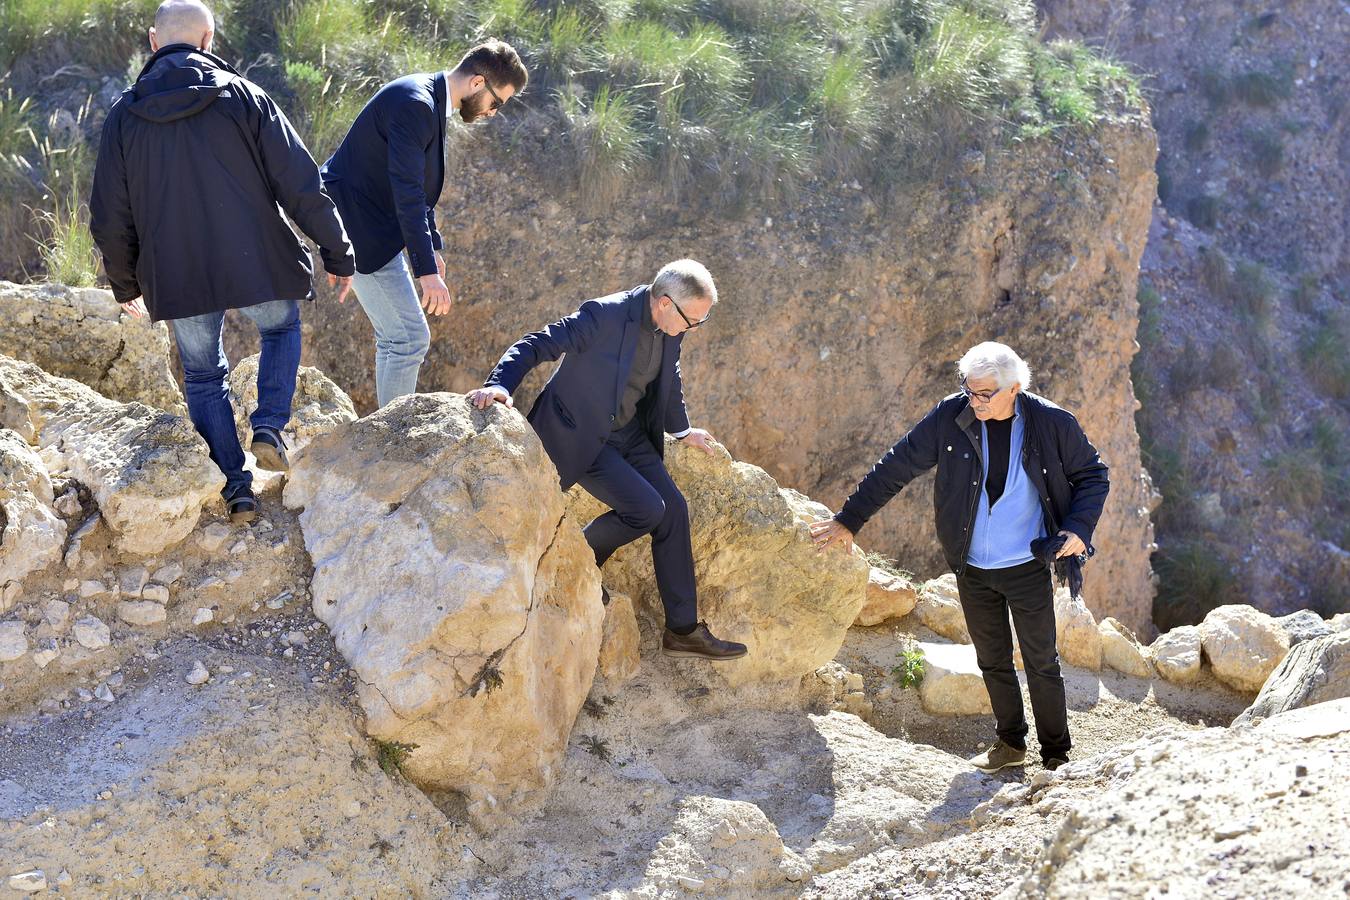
[[1012, 469]]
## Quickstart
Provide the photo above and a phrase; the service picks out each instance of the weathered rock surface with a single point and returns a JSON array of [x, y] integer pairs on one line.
[[1243, 645], [1250, 812], [1304, 625], [1122, 651], [1079, 642], [723, 848], [619, 655], [889, 596], [81, 333], [466, 603], [1315, 671], [939, 608], [149, 470], [760, 579], [952, 684], [32, 536], [318, 407], [1176, 654]]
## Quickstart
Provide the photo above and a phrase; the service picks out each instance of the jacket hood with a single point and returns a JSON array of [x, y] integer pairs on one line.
[[177, 82]]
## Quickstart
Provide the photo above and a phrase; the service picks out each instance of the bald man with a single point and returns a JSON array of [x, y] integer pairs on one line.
[[194, 170]]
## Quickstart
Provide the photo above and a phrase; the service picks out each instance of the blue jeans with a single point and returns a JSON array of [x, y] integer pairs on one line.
[[402, 337], [205, 370]]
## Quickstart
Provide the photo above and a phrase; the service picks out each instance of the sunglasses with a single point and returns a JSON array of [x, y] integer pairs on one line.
[[687, 321], [497, 101]]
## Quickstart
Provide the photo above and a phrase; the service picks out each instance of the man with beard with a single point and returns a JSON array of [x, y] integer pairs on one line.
[[386, 177]]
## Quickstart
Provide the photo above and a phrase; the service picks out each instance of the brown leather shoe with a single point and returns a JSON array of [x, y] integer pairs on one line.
[[700, 644]]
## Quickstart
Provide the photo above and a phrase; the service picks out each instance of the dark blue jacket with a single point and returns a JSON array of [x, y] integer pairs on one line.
[[386, 175], [575, 412], [1069, 476], [194, 162]]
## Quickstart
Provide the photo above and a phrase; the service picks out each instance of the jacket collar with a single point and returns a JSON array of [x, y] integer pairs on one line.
[[636, 298], [185, 48]]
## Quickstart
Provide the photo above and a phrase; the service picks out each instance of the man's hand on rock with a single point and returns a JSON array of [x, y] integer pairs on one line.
[[484, 397], [343, 283], [828, 532], [135, 308], [435, 295], [699, 438], [1072, 546]]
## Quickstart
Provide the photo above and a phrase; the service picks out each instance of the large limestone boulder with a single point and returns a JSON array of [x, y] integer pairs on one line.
[[1080, 644], [1122, 651], [723, 848], [1315, 671], [952, 683], [889, 596], [82, 333], [318, 406], [32, 536], [467, 604], [149, 470], [619, 655], [1176, 654], [939, 607], [1243, 645], [760, 578]]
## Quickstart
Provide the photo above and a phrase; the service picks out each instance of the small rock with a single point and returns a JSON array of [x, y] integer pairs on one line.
[[168, 574], [295, 639], [90, 590], [56, 612], [202, 616], [1176, 654], [9, 595], [939, 607], [67, 506], [131, 581], [1304, 625], [199, 674], [352, 809], [141, 612], [156, 592], [952, 683], [116, 679], [46, 651], [29, 882], [279, 600], [1122, 651], [92, 633], [213, 537], [84, 694], [238, 548], [104, 693], [13, 641], [70, 585]]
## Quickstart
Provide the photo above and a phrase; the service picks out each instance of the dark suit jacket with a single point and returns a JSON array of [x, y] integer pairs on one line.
[[575, 412], [386, 175]]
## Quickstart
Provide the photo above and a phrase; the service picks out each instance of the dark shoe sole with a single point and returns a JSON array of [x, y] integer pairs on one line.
[[1006, 765], [693, 654], [269, 457]]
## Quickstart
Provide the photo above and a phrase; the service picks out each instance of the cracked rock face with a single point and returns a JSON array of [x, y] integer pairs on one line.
[[31, 535], [760, 579], [318, 406], [82, 333], [149, 470], [463, 598]]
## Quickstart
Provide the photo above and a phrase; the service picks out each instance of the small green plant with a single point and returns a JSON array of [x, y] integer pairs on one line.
[[910, 671], [489, 677], [1203, 211], [1253, 293], [597, 747], [607, 142], [1322, 353], [1150, 314], [1295, 477], [1192, 580], [1262, 88], [1267, 153], [391, 755]]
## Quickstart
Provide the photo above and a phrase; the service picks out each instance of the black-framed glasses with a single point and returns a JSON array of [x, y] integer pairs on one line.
[[691, 324], [982, 396], [497, 101]]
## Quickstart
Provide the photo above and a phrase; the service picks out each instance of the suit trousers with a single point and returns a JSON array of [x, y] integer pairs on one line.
[[1028, 592], [629, 477]]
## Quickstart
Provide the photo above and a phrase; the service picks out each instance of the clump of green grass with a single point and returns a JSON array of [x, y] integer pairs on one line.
[[1322, 353], [1295, 477], [1264, 89], [69, 255], [1267, 153], [1203, 211], [392, 755], [1252, 291], [1215, 272], [1305, 293], [909, 673], [606, 141], [1192, 580]]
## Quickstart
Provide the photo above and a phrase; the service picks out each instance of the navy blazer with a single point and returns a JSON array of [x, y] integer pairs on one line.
[[387, 173], [575, 412]]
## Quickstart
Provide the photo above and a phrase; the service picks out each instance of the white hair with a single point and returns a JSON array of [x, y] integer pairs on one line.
[[684, 280], [994, 360]]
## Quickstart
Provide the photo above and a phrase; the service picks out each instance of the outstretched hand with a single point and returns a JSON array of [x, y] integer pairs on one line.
[[828, 532], [699, 438], [484, 397]]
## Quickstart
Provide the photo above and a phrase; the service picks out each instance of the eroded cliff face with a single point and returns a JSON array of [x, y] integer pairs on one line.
[[842, 313]]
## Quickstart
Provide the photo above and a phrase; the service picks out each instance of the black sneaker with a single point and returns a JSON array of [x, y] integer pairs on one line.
[[243, 507], [1054, 763], [269, 448]]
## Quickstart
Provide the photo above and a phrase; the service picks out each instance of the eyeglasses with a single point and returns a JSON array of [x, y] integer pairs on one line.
[[497, 101], [982, 396], [691, 324]]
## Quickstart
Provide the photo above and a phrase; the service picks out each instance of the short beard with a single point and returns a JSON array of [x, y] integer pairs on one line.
[[472, 112]]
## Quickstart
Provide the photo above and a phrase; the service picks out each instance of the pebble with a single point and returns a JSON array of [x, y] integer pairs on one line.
[[213, 537], [56, 612], [352, 809], [29, 882], [92, 633], [295, 639], [141, 612], [156, 592], [90, 589], [198, 675], [280, 600], [47, 651], [131, 581], [84, 694], [238, 549], [70, 585], [168, 574], [104, 693], [13, 641], [202, 616], [116, 679], [67, 505]]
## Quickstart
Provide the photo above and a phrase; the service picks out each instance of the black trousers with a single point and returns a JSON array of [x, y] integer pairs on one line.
[[1027, 590], [629, 477]]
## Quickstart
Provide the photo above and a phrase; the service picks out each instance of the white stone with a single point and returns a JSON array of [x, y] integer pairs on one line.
[[47, 651], [93, 590], [29, 882], [156, 592], [13, 641], [213, 537], [888, 597], [56, 612], [1176, 654], [131, 581], [202, 616], [141, 612], [939, 607], [92, 633], [32, 537], [952, 683], [1243, 645], [168, 574], [199, 673], [104, 693], [1121, 650], [1076, 634]]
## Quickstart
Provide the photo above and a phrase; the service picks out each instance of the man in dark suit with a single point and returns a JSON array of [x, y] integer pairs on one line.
[[386, 177], [603, 417], [195, 165], [1018, 483]]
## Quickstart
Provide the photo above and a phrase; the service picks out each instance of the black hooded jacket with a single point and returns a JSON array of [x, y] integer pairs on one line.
[[194, 170]]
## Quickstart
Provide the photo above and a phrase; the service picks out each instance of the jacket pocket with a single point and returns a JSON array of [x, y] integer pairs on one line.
[[563, 413]]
